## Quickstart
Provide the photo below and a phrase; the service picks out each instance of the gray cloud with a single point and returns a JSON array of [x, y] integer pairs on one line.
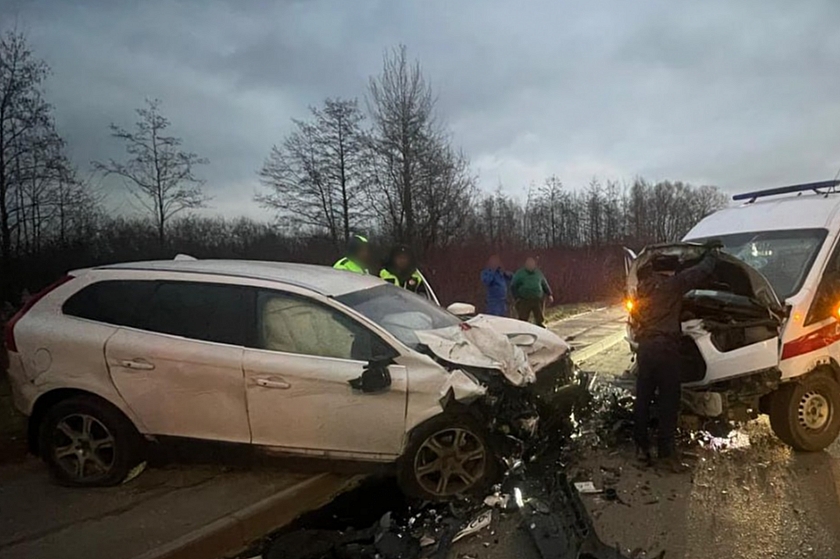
[[735, 94]]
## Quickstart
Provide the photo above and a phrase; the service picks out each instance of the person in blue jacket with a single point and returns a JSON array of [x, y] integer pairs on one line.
[[497, 282]]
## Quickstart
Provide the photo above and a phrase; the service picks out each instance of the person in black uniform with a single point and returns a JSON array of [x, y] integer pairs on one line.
[[659, 303], [401, 270]]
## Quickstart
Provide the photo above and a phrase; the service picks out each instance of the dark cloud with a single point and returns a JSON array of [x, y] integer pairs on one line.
[[736, 94]]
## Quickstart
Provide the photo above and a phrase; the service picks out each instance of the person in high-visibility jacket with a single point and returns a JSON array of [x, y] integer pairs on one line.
[[357, 257], [401, 270]]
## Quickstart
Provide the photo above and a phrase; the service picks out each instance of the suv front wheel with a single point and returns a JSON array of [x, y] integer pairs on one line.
[[448, 455], [805, 414], [87, 442]]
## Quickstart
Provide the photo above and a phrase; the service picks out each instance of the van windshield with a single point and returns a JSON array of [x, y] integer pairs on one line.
[[783, 257]]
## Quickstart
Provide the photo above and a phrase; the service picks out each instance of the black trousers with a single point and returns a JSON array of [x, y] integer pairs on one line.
[[658, 381], [526, 307]]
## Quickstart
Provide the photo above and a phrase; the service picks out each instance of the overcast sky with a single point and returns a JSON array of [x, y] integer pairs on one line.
[[737, 94]]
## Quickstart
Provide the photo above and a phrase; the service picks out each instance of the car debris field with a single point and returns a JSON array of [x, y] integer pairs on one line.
[[744, 495]]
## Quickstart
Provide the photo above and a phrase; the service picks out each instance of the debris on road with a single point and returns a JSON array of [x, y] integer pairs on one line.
[[566, 531], [479, 523], [586, 488], [734, 440]]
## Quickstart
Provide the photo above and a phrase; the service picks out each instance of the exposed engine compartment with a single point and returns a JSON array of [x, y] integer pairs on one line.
[[734, 321]]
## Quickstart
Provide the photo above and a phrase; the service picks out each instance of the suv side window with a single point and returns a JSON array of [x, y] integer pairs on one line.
[[209, 312], [117, 302], [294, 324], [828, 293]]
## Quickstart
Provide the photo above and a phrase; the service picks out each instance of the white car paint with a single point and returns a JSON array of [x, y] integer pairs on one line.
[[170, 385]]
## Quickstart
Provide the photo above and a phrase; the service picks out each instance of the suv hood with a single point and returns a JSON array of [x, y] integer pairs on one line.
[[731, 275], [517, 349]]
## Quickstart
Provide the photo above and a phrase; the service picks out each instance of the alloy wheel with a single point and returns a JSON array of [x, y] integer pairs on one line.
[[83, 447], [450, 462]]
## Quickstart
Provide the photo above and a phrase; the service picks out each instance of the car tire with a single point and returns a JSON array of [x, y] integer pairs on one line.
[[805, 414], [87, 442], [449, 455]]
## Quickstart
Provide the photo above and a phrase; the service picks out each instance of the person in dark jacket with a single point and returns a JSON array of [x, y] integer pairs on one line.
[[401, 270], [530, 290], [497, 282], [659, 329]]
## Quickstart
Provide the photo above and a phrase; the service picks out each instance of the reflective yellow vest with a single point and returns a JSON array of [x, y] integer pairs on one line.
[[412, 284], [349, 265]]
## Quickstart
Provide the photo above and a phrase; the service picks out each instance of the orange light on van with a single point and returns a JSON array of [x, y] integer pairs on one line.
[[630, 304], [837, 311]]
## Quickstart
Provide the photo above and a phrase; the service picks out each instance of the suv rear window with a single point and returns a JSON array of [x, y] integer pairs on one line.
[[121, 303], [201, 311]]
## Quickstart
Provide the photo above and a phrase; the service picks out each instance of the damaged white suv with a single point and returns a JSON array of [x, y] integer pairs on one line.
[[304, 359], [763, 336]]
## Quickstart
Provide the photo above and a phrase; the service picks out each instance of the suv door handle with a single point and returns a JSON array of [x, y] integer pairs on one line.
[[137, 365], [269, 383]]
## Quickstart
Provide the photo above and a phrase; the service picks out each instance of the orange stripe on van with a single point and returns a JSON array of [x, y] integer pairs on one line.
[[817, 339]]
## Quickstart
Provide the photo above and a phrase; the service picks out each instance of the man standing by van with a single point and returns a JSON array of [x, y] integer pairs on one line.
[[657, 312], [530, 289]]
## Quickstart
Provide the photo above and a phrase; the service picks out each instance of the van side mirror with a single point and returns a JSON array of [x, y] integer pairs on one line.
[[375, 377], [827, 301]]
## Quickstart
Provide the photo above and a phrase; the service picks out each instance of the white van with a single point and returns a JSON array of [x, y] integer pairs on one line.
[[766, 329]]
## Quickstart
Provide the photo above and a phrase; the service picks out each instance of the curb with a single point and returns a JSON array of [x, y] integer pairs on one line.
[[234, 532], [590, 351]]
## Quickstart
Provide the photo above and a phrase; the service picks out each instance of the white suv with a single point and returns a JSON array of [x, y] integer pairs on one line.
[[305, 359], [764, 334]]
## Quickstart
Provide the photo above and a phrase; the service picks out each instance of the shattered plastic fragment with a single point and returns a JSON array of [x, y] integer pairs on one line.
[[734, 440], [586, 488], [476, 525], [497, 500], [134, 472]]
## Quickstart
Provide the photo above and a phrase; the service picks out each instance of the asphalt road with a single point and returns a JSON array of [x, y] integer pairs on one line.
[[759, 502]]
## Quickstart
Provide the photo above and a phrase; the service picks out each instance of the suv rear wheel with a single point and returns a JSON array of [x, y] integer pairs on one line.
[[805, 414], [448, 455], [87, 442]]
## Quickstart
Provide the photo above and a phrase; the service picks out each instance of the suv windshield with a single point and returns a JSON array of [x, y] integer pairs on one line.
[[399, 311], [783, 257]]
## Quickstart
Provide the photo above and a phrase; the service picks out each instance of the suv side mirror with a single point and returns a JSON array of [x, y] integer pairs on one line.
[[462, 310], [375, 378]]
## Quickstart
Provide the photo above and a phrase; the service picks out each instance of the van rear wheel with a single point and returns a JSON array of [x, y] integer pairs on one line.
[[806, 414]]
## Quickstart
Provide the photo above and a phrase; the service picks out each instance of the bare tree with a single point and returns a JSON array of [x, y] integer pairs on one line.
[[157, 172], [25, 120], [415, 176], [315, 175]]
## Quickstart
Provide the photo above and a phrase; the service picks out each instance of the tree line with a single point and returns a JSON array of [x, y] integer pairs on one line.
[[385, 167]]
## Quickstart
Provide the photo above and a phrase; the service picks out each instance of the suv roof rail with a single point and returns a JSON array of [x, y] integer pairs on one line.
[[822, 187]]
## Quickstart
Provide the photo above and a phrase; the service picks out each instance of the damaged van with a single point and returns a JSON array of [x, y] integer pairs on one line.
[[763, 335], [305, 360]]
